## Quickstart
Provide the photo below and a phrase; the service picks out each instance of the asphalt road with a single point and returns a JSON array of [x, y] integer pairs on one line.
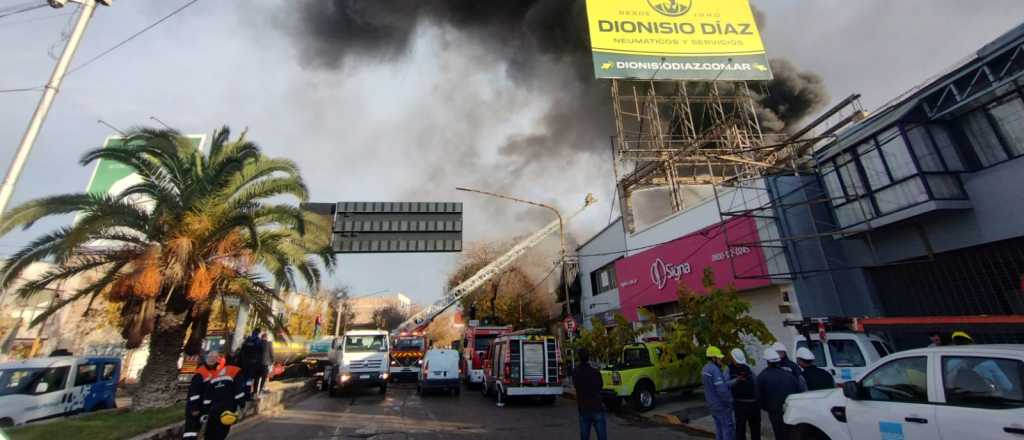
[[402, 414]]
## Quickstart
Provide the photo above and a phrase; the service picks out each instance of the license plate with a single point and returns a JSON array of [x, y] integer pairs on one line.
[[437, 373], [364, 376]]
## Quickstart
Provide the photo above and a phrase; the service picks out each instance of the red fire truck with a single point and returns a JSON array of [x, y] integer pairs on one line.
[[407, 351], [525, 363], [475, 345]]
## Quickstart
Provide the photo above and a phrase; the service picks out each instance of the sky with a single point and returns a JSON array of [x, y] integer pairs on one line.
[[410, 126]]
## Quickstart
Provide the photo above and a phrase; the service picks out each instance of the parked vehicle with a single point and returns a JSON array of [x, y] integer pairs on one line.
[[646, 369], [523, 363], [474, 349], [849, 354], [359, 358], [949, 392], [407, 351], [44, 388], [440, 371]]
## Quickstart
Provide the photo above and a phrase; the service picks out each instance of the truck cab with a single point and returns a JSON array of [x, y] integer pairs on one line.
[[845, 354], [476, 345], [359, 358], [523, 363], [643, 371], [407, 352], [44, 388]]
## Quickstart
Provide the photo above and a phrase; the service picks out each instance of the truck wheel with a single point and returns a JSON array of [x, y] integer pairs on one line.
[[643, 397]]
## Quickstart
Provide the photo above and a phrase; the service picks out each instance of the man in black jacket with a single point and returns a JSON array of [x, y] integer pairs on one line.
[[216, 397], [250, 358], [744, 395], [587, 381], [774, 385], [816, 378]]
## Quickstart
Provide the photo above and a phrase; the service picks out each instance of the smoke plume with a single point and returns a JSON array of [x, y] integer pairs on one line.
[[543, 48]]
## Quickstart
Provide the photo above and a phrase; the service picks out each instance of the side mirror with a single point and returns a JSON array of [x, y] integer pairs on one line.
[[852, 390], [41, 387]]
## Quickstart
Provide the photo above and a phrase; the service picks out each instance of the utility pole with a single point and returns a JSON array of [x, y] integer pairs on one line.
[[49, 93]]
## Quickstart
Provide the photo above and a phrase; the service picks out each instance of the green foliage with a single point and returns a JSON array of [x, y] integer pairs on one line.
[[101, 426], [604, 345], [719, 317]]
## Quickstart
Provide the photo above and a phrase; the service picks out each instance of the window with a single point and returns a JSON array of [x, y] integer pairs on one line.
[[896, 197], [901, 380], [108, 372], [983, 382], [874, 168], [854, 212], [635, 357], [901, 164], [55, 378], [882, 350], [832, 185], [945, 186], [365, 344], [1008, 117], [603, 279], [86, 375], [851, 180], [927, 156], [983, 138], [817, 349], [483, 343], [947, 148], [845, 353]]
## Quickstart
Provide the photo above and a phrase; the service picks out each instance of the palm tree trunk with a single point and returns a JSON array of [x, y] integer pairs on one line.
[[158, 384]]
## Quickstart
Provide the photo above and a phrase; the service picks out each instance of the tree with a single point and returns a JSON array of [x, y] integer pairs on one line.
[[197, 227], [513, 297], [442, 330], [719, 317], [604, 345], [389, 317]]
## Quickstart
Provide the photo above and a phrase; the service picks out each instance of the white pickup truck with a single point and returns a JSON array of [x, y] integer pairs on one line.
[[359, 358], [958, 392]]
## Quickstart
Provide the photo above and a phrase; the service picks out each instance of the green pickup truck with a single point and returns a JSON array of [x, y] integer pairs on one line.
[[645, 370]]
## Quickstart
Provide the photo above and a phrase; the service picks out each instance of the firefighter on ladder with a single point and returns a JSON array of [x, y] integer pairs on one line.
[[216, 397]]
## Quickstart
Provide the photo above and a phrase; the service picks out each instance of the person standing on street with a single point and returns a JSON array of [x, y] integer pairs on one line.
[[789, 366], [936, 339], [814, 377], [744, 395], [587, 381], [250, 358], [774, 385], [718, 395], [216, 397], [268, 362]]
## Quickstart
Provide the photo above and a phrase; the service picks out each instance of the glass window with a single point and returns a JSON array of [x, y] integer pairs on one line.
[[983, 382], [603, 279], [108, 372], [1009, 118], [817, 349], [947, 148], [874, 168], [635, 357], [923, 148], [901, 380], [409, 344], [18, 381], [851, 180], [55, 379], [365, 344], [983, 138], [945, 186], [845, 353], [900, 196], [483, 343], [86, 375], [854, 212], [832, 185], [901, 164], [880, 348]]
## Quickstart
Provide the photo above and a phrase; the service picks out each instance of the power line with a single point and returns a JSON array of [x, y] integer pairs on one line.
[[132, 37], [33, 6], [25, 89], [30, 20]]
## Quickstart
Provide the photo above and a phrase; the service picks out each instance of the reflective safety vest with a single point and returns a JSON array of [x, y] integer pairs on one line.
[[211, 392]]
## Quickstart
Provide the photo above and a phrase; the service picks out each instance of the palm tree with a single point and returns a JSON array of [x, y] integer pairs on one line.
[[197, 228]]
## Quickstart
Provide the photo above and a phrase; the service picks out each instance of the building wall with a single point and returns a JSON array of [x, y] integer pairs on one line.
[[610, 241]]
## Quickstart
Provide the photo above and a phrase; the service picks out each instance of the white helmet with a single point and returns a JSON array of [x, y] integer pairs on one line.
[[770, 355], [780, 348], [805, 354]]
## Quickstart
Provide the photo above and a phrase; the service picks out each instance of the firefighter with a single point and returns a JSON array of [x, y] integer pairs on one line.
[[216, 397], [718, 394]]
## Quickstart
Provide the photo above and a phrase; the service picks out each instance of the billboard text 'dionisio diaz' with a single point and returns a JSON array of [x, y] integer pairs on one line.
[[676, 40]]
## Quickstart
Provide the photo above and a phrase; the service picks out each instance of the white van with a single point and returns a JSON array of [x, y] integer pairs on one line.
[[440, 371], [44, 388], [848, 355], [359, 358]]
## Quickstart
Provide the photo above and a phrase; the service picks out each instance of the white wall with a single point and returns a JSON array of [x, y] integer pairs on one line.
[[610, 242]]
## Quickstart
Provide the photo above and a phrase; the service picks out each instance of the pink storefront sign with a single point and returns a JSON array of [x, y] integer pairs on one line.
[[653, 276]]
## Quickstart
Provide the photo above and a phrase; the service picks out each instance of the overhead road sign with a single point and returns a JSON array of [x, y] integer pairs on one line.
[[702, 40], [113, 177], [386, 227]]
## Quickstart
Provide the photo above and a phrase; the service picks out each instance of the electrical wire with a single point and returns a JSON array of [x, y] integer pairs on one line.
[[130, 38], [25, 89], [706, 234], [24, 7], [30, 20]]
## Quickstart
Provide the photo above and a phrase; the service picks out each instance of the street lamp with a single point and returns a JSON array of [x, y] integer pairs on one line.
[[343, 295]]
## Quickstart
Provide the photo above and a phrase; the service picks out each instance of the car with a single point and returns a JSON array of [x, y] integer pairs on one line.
[[44, 388], [440, 371], [848, 354], [949, 392], [646, 369]]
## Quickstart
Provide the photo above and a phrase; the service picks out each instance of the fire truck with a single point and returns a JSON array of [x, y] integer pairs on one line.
[[407, 350], [525, 363], [477, 343]]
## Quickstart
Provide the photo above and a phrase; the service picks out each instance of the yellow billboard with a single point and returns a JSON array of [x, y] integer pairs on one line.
[[676, 39]]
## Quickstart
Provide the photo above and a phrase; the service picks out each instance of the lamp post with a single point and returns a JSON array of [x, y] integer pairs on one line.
[[561, 237]]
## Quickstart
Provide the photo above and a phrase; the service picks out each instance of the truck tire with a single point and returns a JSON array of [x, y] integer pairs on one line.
[[643, 398]]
